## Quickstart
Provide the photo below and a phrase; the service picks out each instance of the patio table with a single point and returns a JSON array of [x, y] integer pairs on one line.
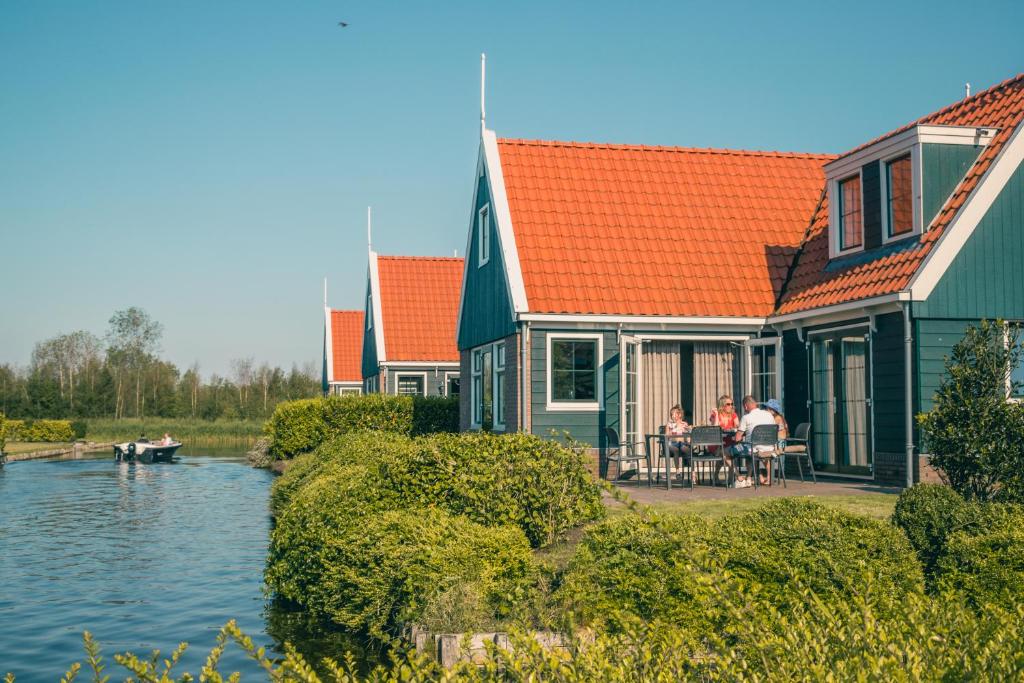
[[665, 438]]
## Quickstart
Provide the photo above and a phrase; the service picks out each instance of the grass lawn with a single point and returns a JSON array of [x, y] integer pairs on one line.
[[18, 447], [874, 505]]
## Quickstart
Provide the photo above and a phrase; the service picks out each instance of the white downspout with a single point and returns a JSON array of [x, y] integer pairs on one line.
[[908, 374]]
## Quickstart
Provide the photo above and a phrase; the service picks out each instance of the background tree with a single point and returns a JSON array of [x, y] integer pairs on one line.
[[132, 340], [974, 432]]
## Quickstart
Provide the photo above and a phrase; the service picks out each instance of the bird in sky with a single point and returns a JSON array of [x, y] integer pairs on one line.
[[343, 24]]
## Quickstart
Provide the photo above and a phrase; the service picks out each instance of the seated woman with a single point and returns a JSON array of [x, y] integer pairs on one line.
[[678, 427], [774, 407], [726, 417]]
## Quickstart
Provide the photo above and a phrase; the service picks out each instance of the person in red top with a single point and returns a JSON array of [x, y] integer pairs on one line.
[[726, 417]]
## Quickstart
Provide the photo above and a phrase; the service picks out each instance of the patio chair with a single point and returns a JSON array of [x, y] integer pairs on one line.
[[763, 436], [799, 446], [620, 452], [702, 440]]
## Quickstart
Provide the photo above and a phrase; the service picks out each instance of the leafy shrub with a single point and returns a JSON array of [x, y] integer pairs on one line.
[[50, 431], [791, 544], [79, 428], [3, 432], [342, 551], [434, 414], [986, 567], [298, 427], [13, 429], [634, 569], [536, 484], [973, 432], [928, 514]]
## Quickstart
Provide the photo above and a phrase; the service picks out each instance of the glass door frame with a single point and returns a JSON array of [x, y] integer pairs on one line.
[[838, 445], [748, 367], [627, 432]]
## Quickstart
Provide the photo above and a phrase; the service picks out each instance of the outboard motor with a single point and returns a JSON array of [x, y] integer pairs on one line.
[[131, 452]]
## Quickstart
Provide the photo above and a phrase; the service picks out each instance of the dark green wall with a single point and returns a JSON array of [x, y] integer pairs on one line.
[[944, 166], [888, 379], [587, 427], [872, 190], [934, 343], [370, 367], [986, 279], [486, 310], [794, 378]]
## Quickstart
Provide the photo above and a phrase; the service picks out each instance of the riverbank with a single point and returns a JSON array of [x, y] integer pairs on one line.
[[40, 451], [217, 433]]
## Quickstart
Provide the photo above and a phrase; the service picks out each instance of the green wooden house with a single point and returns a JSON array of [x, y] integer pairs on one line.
[[605, 283]]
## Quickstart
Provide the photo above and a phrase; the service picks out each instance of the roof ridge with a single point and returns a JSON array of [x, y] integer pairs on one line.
[[664, 148], [344, 310], [421, 258]]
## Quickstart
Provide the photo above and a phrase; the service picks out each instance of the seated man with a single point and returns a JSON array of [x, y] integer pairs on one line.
[[753, 416]]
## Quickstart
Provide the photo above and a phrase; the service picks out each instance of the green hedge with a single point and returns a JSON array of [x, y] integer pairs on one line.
[[298, 427], [674, 569], [986, 566], [344, 552], [3, 433], [49, 431]]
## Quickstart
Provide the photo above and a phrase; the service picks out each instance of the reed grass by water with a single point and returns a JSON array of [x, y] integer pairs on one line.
[[242, 433]]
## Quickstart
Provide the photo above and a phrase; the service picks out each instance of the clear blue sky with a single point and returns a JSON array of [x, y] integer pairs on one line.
[[211, 161]]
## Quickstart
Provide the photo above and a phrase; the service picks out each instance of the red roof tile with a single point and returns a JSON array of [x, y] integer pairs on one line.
[[634, 230], [812, 286], [347, 346], [419, 297]]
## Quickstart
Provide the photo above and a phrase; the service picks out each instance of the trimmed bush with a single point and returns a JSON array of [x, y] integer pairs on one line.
[[986, 567], [928, 514], [790, 544], [14, 428], [3, 433], [49, 431], [632, 569], [79, 428], [538, 485], [298, 427], [338, 551], [434, 414]]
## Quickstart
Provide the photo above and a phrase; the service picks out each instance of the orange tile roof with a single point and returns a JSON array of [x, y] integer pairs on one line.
[[635, 230], [811, 285], [419, 297], [347, 346]]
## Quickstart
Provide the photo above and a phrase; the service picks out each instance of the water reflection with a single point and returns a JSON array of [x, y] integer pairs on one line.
[[143, 556]]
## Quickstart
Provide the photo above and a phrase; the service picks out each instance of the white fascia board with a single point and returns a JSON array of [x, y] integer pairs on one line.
[[469, 237], [503, 223], [378, 316], [968, 217], [440, 364], [642, 320], [916, 135], [842, 310], [329, 344]]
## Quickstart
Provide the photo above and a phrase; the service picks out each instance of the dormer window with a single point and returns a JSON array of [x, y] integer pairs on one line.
[[899, 196], [851, 216]]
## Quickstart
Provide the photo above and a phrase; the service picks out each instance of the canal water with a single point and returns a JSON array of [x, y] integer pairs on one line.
[[142, 556]]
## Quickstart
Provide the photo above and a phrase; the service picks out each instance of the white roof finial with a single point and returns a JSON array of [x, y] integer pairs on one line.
[[369, 228], [483, 82], [325, 292], [967, 87]]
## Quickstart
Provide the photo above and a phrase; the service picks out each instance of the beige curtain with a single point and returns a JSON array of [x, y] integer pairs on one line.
[[661, 383], [712, 377], [855, 398]]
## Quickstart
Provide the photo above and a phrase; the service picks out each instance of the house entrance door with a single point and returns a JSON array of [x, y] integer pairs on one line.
[[840, 403], [631, 358]]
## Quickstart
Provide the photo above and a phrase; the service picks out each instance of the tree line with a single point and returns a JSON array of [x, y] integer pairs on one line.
[[121, 375]]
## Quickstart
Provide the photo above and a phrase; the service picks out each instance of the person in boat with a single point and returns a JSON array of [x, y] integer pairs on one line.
[[142, 438], [167, 440]]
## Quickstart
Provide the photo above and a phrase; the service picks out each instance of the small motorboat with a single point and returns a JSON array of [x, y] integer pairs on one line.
[[145, 451]]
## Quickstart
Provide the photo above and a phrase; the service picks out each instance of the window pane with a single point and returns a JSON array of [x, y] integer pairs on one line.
[[584, 388], [453, 386], [562, 385], [410, 385], [573, 370], [851, 229], [1017, 375], [499, 398], [901, 212]]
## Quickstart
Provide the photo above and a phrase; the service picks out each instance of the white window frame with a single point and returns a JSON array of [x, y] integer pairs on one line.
[[497, 397], [349, 391], [448, 375], [575, 406], [916, 193], [400, 375], [835, 229], [483, 235], [1006, 343], [749, 362], [476, 410]]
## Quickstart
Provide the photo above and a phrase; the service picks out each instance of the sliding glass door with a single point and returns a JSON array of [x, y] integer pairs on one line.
[[840, 403]]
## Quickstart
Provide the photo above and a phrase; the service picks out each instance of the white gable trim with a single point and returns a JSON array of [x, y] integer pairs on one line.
[[329, 345], [378, 317], [502, 218], [968, 217]]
